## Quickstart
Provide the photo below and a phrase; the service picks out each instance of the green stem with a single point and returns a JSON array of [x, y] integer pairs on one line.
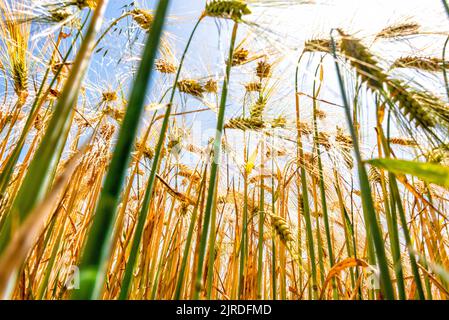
[[321, 185], [305, 197], [396, 199], [150, 185], [367, 200], [214, 165], [98, 246], [212, 237]]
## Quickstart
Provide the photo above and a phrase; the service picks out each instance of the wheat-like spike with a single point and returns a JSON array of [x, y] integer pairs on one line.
[[174, 142], [324, 140], [186, 172], [317, 45], [281, 228], [144, 18], [258, 177], [362, 61], [374, 175], [343, 138], [257, 109], [263, 69], [412, 102], [316, 214], [439, 155], [147, 151], [245, 124], [320, 114], [253, 87], [20, 78], [109, 96], [183, 209], [211, 86], [399, 30], [431, 64], [115, 113], [191, 87], [239, 57], [227, 9], [403, 142], [279, 122], [164, 66], [305, 128]]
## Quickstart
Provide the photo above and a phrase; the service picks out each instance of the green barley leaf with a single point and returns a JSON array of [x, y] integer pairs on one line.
[[428, 172]]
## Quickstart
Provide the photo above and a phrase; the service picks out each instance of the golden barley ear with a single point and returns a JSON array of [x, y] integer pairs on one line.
[[362, 61], [324, 140], [257, 109], [244, 124], [192, 87], [399, 30], [115, 113], [374, 175], [403, 142], [109, 96], [343, 138], [430, 64], [281, 228], [412, 103], [279, 122], [165, 66], [211, 86], [439, 155], [227, 9], [240, 57], [263, 69], [253, 87], [305, 128], [318, 45], [144, 18], [146, 150]]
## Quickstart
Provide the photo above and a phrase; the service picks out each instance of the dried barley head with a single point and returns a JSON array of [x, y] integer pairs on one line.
[[399, 30], [191, 87], [245, 124], [317, 45], [263, 69], [109, 96], [362, 61], [279, 122], [422, 63], [253, 87], [211, 86], [164, 66], [239, 57], [144, 18]]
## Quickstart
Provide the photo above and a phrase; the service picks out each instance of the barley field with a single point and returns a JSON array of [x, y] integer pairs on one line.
[[224, 149]]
